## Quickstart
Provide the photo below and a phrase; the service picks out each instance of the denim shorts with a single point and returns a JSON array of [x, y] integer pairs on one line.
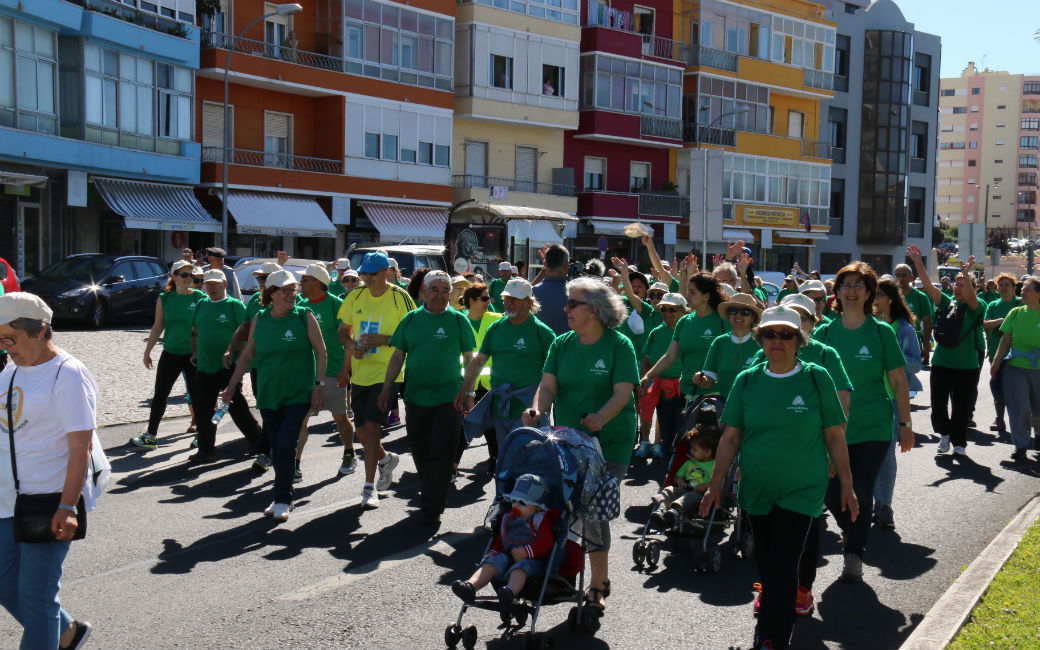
[[504, 564]]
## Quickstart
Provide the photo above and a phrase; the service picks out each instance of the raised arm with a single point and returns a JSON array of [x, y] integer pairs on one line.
[[655, 260], [626, 286], [914, 253]]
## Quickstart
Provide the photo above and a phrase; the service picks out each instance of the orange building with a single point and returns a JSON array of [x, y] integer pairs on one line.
[[335, 111]]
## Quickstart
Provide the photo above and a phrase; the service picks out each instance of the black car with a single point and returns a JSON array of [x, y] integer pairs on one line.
[[92, 288]]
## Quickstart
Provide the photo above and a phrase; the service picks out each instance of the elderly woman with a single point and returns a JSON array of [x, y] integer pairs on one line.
[[1019, 356], [433, 338], [871, 354], [996, 311], [459, 285], [663, 395], [174, 312], [286, 345], [55, 421], [784, 451], [588, 382], [731, 353]]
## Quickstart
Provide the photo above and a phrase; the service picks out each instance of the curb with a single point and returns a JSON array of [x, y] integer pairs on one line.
[[951, 611]]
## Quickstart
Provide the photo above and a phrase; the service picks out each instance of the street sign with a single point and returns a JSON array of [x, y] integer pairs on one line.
[[602, 244]]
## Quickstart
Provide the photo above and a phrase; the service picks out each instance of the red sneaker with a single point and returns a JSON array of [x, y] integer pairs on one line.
[[804, 604], [758, 597]]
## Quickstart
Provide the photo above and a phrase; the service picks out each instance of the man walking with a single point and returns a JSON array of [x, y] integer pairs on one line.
[[505, 272], [919, 303], [215, 259], [551, 292]]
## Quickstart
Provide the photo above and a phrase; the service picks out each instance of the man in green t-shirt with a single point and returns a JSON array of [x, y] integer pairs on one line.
[[337, 287], [314, 287], [213, 325], [505, 272], [920, 304], [433, 338], [996, 311]]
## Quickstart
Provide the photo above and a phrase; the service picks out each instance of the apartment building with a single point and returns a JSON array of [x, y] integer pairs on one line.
[[341, 123], [96, 129]]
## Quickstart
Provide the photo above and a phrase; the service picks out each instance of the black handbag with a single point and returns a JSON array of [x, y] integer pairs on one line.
[[33, 513]]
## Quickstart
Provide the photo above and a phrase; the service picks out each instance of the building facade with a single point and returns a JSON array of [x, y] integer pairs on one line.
[[96, 129]]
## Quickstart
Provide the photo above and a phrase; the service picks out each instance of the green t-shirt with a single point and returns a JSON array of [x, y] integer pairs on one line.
[[921, 305], [215, 323], [326, 312], [947, 292], [964, 355], [868, 353], [519, 353], [657, 344], [337, 289], [726, 359], [651, 319], [783, 456], [585, 376], [695, 334], [284, 359], [253, 307], [822, 355], [495, 291], [784, 293], [761, 295], [994, 310], [696, 471], [989, 296], [673, 285], [434, 344], [178, 312], [1024, 325]]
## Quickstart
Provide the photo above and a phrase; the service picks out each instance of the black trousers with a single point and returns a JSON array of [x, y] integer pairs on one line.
[[865, 460], [263, 443], [207, 394], [433, 434], [810, 560], [669, 418], [170, 367], [779, 540], [952, 385], [975, 386]]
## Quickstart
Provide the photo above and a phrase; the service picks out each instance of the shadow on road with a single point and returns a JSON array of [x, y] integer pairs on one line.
[[851, 616], [964, 468]]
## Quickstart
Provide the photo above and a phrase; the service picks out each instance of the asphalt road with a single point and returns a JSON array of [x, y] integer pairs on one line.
[[180, 557]]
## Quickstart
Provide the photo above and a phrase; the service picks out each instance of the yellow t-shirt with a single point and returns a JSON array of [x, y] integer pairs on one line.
[[364, 313]]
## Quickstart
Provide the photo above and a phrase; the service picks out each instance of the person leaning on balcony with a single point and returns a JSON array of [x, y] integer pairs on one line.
[[289, 46]]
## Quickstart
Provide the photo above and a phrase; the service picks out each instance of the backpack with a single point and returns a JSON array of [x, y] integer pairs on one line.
[[947, 330]]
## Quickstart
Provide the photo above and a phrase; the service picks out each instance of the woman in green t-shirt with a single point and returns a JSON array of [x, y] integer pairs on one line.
[[729, 354], [286, 346], [784, 419], [996, 311], [588, 381], [174, 311], [663, 395], [1019, 356]]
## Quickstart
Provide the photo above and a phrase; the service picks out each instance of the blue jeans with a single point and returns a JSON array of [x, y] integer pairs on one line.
[[282, 426], [1022, 395], [885, 484], [30, 576]]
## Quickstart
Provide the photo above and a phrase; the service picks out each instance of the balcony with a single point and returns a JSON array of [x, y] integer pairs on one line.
[[818, 79], [918, 165], [135, 16], [251, 158], [717, 135], [660, 127], [841, 83], [920, 98], [838, 155], [512, 184], [816, 149], [663, 205], [707, 57], [271, 51], [605, 38]]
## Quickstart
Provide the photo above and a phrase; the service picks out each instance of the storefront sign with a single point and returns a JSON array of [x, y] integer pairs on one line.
[[17, 190], [770, 216]]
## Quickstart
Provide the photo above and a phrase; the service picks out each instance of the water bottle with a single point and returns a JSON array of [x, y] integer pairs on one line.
[[220, 413]]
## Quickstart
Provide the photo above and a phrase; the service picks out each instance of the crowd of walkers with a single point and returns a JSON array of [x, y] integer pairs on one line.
[[816, 387]]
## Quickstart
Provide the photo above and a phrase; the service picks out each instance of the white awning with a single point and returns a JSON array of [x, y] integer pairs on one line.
[[800, 234], [19, 179], [513, 212], [733, 234], [402, 223], [262, 213], [538, 231], [616, 228], [155, 206]]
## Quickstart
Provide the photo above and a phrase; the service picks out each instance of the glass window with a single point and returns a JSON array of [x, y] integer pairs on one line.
[[443, 156], [389, 147], [425, 153], [408, 155], [501, 71], [372, 145]]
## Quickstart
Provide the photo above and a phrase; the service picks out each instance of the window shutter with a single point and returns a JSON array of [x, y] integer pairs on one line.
[[476, 159], [593, 165], [213, 124], [276, 125], [527, 164]]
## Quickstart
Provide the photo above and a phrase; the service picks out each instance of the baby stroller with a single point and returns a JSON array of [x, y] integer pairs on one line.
[[571, 466], [694, 533]]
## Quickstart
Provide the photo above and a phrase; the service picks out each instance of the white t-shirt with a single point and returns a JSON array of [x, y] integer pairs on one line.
[[48, 405]]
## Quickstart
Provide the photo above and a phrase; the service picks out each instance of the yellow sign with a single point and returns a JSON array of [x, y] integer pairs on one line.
[[770, 216]]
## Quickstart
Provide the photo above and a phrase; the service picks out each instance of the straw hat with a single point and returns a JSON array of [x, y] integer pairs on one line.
[[740, 300]]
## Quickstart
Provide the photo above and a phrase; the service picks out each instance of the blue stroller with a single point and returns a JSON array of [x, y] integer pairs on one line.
[[571, 466]]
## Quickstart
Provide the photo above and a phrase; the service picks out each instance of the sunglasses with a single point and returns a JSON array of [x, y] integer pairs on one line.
[[350, 280], [669, 310], [484, 298], [656, 296], [784, 335], [820, 299], [196, 281], [741, 311], [182, 275], [574, 304]]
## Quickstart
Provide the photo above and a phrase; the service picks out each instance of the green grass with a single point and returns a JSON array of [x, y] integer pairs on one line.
[[1008, 616]]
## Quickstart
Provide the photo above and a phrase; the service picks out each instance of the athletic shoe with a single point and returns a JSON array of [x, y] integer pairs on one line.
[[200, 457], [349, 463], [506, 599], [386, 471], [455, 476], [298, 476], [643, 449], [657, 521], [959, 451], [281, 511], [194, 441], [144, 441], [269, 510], [944, 444], [369, 498], [393, 420], [262, 463], [853, 570], [803, 604], [465, 590], [758, 597], [998, 425], [83, 630], [971, 424], [883, 517], [1019, 454], [192, 428], [656, 451]]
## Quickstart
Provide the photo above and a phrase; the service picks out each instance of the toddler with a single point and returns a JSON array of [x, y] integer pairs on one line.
[[691, 480]]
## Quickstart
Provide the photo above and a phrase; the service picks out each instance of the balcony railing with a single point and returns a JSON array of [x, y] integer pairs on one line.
[[818, 79], [711, 58], [838, 155], [271, 51], [136, 16], [918, 165], [920, 98], [280, 160], [841, 83], [664, 48], [660, 127], [816, 148], [709, 135], [512, 184], [663, 205]]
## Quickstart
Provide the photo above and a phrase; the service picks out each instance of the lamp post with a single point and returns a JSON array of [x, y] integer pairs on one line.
[[985, 221], [704, 187], [279, 10]]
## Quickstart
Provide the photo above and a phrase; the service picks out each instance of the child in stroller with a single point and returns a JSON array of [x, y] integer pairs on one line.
[[687, 486], [522, 545]]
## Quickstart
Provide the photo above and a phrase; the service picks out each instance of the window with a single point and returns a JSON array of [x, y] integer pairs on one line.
[[27, 76], [946, 92], [976, 91], [501, 71], [372, 145], [975, 145], [922, 72], [442, 155], [476, 160], [408, 155], [919, 140], [276, 32], [1029, 142], [971, 163], [213, 124], [425, 153], [175, 101], [628, 86], [838, 118], [639, 176], [277, 139], [973, 127], [1031, 88], [526, 169], [998, 162], [1001, 107], [595, 173], [1000, 125], [795, 124], [1027, 161], [957, 110], [552, 80], [974, 109], [1027, 178], [389, 147], [730, 105], [761, 180], [1030, 124], [555, 10]]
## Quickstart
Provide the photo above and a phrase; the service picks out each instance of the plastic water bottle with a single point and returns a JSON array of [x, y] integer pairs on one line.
[[220, 413]]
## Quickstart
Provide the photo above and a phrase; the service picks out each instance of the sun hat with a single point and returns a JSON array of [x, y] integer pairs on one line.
[[513, 269], [505, 266], [281, 278], [374, 262], [22, 304], [800, 301], [812, 285], [214, 275], [518, 288], [342, 264], [392, 262], [178, 265], [529, 490], [674, 299], [267, 268], [740, 300], [658, 286], [318, 272], [458, 279], [783, 316], [350, 273]]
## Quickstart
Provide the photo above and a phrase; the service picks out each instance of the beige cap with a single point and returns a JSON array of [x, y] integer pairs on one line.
[[812, 285], [727, 290], [350, 273], [281, 278], [197, 270], [392, 262], [658, 286], [458, 279], [267, 268], [518, 288], [342, 264], [505, 266], [180, 264], [214, 275], [674, 299], [21, 304], [318, 272], [783, 317], [800, 301]]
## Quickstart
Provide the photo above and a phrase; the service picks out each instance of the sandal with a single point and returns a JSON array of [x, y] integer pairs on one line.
[[606, 589], [595, 599]]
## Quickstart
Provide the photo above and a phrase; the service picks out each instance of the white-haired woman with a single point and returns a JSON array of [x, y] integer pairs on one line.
[[663, 395], [587, 381]]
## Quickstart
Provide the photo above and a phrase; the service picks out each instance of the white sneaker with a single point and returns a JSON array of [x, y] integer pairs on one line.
[[944, 444], [369, 498], [269, 510], [281, 511], [959, 451], [386, 471]]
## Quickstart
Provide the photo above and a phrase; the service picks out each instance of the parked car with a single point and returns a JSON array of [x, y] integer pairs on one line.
[[93, 288], [247, 281], [409, 258], [948, 246], [7, 277]]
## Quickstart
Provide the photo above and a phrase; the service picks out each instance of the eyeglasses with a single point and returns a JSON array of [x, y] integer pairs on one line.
[[196, 281], [655, 296], [853, 286], [820, 299], [289, 290], [574, 304], [183, 275], [350, 280], [262, 278], [669, 310], [784, 335], [741, 311], [484, 298]]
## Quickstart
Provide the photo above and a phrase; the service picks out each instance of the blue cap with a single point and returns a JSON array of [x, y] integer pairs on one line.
[[529, 490], [747, 250], [373, 262]]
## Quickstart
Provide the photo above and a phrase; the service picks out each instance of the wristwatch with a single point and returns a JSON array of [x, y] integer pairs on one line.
[[908, 425], [319, 382], [71, 509], [472, 393]]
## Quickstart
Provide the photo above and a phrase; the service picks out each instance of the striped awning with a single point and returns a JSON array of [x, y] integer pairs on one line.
[[155, 206], [401, 223], [267, 213]]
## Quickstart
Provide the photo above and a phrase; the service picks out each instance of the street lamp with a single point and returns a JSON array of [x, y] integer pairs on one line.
[[704, 186], [985, 231], [279, 10]]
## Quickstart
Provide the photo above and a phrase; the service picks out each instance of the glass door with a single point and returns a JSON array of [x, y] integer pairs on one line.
[[30, 239]]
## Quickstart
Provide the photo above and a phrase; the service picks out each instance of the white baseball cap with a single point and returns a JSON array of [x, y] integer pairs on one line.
[[392, 262], [800, 301], [350, 273], [674, 299], [267, 268], [505, 266], [518, 288], [342, 264], [783, 317], [214, 275], [198, 271], [180, 264], [658, 286], [812, 285], [21, 304], [514, 269], [318, 272], [281, 278]]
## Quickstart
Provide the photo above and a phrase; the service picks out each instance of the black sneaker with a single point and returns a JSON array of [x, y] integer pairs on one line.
[[298, 476], [657, 520], [1019, 454], [83, 630], [506, 599], [465, 590], [200, 457]]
